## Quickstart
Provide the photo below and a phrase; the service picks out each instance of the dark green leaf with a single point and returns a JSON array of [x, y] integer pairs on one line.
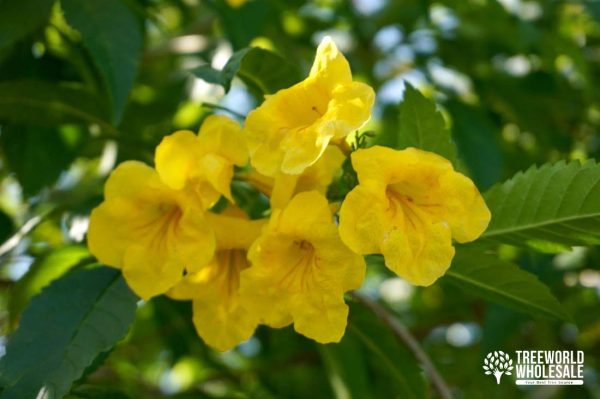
[[49, 104], [36, 155], [262, 70], [63, 330], [389, 360], [112, 34], [503, 282], [20, 17], [421, 126], [548, 208], [347, 368]]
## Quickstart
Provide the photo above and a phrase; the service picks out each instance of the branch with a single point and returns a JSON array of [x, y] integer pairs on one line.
[[404, 335], [14, 240]]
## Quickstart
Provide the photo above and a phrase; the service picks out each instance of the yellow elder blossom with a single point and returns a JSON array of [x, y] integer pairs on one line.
[[220, 317], [301, 270], [150, 231], [293, 127], [409, 204], [203, 163]]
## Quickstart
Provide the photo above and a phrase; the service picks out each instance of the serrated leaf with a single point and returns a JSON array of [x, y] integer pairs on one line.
[[113, 35], [550, 208], [503, 282], [62, 331], [391, 360], [21, 17], [421, 126], [42, 103], [263, 71]]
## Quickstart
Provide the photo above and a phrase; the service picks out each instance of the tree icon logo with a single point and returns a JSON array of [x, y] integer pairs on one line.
[[497, 363]]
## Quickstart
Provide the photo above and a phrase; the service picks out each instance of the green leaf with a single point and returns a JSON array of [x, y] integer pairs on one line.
[[21, 17], [44, 270], [421, 126], [392, 366], [503, 282], [36, 155], [346, 367], [550, 207], [62, 331], [263, 71], [112, 34], [49, 104]]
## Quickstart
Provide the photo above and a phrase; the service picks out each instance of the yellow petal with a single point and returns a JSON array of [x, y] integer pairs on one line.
[[222, 328], [363, 221], [350, 108], [223, 136], [193, 240], [150, 273], [321, 317], [320, 175], [176, 158], [330, 65], [307, 215], [465, 210], [420, 256], [234, 232], [284, 186]]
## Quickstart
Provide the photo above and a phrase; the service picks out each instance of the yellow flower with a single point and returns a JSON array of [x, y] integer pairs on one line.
[[408, 206], [220, 317], [292, 128], [150, 231], [316, 177], [301, 270], [203, 164]]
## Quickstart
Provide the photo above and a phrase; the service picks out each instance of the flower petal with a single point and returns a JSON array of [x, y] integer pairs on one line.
[[223, 136], [176, 158], [149, 273], [330, 65]]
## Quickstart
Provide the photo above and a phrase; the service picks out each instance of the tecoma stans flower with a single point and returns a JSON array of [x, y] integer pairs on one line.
[[203, 164], [292, 128], [301, 270], [220, 317], [317, 177], [150, 231], [409, 204]]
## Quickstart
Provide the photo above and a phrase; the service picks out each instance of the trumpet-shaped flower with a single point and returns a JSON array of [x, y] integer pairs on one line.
[[150, 231], [220, 317], [203, 164], [409, 204], [292, 128], [301, 270], [316, 177]]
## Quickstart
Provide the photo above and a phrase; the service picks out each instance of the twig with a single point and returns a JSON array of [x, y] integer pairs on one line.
[[404, 335], [222, 108], [14, 240]]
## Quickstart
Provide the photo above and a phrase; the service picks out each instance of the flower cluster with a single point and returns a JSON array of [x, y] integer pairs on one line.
[[159, 225]]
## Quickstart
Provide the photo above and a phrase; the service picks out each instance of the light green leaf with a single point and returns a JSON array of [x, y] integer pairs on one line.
[[421, 126], [263, 71], [44, 270], [389, 360], [113, 35], [41, 103], [63, 330], [503, 282], [21, 17], [550, 208]]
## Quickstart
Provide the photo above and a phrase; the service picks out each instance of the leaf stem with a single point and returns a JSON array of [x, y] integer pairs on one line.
[[222, 108], [403, 334]]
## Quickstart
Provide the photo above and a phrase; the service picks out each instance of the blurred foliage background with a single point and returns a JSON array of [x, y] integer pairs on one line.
[[85, 85]]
